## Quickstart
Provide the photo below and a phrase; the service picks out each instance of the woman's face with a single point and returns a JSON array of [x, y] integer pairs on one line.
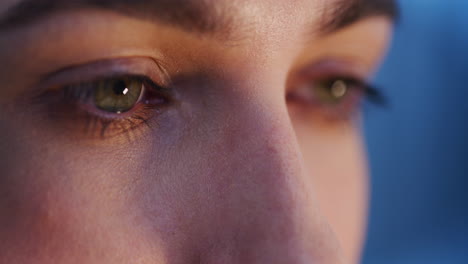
[[157, 131]]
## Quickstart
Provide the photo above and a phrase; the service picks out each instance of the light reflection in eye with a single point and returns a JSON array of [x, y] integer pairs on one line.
[[333, 91], [332, 98], [106, 106], [117, 95], [339, 89]]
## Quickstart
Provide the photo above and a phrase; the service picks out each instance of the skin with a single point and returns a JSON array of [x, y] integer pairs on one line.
[[231, 173]]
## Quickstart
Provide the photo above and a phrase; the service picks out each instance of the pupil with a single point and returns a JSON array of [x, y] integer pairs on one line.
[[120, 88]]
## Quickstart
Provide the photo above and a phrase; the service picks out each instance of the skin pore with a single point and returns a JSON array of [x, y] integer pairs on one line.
[[234, 153]]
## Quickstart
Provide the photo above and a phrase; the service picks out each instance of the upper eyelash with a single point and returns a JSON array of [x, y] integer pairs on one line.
[[73, 95], [375, 95], [345, 108], [371, 92], [147, 68], [70, 92]]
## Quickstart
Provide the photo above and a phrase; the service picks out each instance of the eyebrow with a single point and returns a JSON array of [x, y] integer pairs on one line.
[[190, 15], [346, 12]]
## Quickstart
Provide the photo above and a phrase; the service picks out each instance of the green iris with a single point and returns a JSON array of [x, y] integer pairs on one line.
[[117, 95], [332, 92]]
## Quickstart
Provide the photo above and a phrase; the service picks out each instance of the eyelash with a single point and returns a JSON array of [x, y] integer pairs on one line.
[[369, 91], [356, 91], [75, 102]]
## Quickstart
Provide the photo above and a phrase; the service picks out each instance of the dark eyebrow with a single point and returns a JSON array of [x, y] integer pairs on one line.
[[190, 15], [343, 13]]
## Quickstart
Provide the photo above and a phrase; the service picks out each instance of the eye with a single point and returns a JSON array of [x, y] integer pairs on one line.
[[332, 91], [117, 95], [331, 98], [106, 107], [327, 92]]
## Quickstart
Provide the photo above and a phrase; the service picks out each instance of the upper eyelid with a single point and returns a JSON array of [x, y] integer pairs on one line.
[[156, 72], [331, 66], [326, 68], [107, 68]]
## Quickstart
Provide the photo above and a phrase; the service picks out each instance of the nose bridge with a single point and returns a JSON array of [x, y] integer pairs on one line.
[[261, 137], [270, 154], [268, 204]]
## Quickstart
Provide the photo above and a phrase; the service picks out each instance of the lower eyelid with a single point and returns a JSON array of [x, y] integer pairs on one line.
[[85, 121], [327, 112], [89, 124]]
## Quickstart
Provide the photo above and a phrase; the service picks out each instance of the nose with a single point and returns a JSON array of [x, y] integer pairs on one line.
[[265, 211]]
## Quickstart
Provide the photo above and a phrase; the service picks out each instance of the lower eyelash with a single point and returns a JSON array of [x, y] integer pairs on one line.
[[68, 112], [73, 107], [104, 127]]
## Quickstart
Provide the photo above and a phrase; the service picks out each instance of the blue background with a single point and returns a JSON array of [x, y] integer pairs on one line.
[[418, 146]]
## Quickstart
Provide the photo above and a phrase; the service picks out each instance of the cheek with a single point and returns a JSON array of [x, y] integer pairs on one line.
[[335, 161], [58, 201], [230, 184]]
